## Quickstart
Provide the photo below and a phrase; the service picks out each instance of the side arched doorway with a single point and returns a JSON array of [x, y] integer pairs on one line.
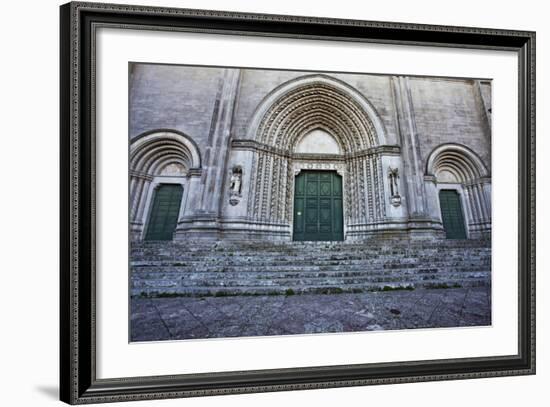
[[451, 214], [161, 166], [460, 182], [163, 216]]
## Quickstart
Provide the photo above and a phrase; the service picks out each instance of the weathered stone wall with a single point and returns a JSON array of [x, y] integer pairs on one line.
[[215, 108], [447, 111], [184, 98], [173, 97]]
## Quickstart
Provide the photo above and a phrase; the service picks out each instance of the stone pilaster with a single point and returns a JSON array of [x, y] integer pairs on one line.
[[218, 145], [212, 181], [484, 107], [413, 166]]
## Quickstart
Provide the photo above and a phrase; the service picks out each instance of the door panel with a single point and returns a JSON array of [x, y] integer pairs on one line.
[[318, 206], [164, 212], [451, 214]]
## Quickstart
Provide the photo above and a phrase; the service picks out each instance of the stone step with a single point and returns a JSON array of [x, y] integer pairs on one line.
[[306, 260], [209, 276], [263, 280], [311, 257], [307, 280], [224, 270], [380, 242], [308, 252], [137, 247], [305, 289], [242, 252], [264, 277]]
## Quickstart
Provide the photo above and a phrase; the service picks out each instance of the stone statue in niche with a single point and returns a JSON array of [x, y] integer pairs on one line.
[[393, 175], [235, 185]]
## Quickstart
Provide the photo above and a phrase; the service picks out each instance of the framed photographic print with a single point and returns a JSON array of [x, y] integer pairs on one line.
[[256, 203]]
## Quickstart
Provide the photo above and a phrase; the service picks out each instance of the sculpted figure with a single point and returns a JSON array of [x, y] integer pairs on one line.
[[393, 175], [236, 181]]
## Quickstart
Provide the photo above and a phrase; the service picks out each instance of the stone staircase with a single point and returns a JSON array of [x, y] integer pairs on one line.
[[198, 269]]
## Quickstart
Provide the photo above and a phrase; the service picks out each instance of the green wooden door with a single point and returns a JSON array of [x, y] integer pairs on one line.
[[451, 214], [164, 212], [318, 206]]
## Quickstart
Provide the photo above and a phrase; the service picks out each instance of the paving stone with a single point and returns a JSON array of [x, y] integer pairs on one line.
[[240, 316]]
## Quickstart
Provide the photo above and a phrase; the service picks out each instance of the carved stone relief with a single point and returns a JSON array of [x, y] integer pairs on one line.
[[298, 166]]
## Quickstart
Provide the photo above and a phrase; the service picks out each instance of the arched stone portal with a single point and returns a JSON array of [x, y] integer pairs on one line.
[[455, 167], [159, 158], [284, 128]]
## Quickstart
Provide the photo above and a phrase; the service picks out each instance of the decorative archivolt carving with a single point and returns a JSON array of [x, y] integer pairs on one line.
[[152, 153], [317, 106], [310, 101], [458, 161]]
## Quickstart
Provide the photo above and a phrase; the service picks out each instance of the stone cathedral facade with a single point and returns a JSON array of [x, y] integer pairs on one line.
[[263, 155]]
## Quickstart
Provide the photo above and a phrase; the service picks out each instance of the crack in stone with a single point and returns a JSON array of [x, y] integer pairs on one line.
[[436, 308], [170, 334], [198, 320], [281, 306], [463, 305]]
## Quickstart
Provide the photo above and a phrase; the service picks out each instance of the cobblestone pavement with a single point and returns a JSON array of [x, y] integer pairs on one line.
[[217, 317]]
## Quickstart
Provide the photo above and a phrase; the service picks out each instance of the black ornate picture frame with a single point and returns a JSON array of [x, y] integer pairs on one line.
[[78, 380]]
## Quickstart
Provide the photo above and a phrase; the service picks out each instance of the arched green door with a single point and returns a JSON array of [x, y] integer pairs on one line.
[[451, 214], [318, 213], [163, 216]]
